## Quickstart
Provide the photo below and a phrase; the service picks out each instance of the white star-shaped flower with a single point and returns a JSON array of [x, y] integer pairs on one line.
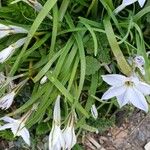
[[128, 2], [127, 90], [17, 127], [56, 140]]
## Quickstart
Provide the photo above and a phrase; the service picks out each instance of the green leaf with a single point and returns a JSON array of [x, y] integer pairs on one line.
[[89, 128], [141, 13], [42, 14], [7, 134], [122, 63], [81, 52], [42, 128], [104, 55], [93, 36], [92, 65], [67, 94], [77, 147]]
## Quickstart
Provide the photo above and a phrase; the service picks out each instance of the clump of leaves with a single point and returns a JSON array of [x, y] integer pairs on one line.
[[70, 48]]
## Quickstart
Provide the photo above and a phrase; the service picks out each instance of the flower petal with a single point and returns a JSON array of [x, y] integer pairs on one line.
[[3, 34], [3, 27], [4, 30], [56, 133], [56, 113], [141, 2], [6, 126], [137, 99], [57, 146], [19, 43], [51, 138], [61, 140], [143, 88], [114, 79], [119, 8], [55, 137], [17, 29], [8, 119], [5, 54], [113, 91], [122, 99], [69, 137], [24, 133], [15, 127], [6, 101], [128, 2]]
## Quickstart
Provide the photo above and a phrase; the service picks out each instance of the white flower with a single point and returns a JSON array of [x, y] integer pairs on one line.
[[7, 52], [94, 111], [127, 90], [43, 80], [17, 127], [6, 101], [128, 2], [10, 29], [69, 134], [56, 141]]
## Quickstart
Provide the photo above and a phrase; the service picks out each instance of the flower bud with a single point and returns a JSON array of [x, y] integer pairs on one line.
[[43, 80], [7, 52], [94, 111]]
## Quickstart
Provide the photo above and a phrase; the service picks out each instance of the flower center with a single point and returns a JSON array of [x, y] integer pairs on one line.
[[129, 83]]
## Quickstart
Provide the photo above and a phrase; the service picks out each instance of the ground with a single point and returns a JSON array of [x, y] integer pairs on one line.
[[132, 134]]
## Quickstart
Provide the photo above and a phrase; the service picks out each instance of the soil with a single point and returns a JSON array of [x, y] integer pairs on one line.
[[131, 133]]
